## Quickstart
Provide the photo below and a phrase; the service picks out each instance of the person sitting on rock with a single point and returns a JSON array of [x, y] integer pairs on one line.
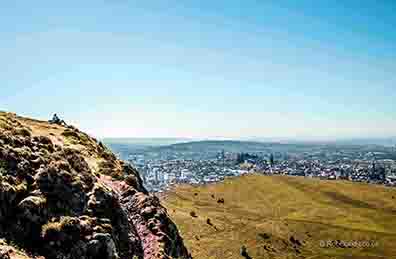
[[55, 119]]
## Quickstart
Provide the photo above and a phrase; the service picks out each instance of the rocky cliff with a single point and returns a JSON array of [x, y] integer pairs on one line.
[[63, 194]]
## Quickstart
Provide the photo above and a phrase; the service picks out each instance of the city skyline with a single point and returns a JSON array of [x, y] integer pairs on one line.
[[281, 69]]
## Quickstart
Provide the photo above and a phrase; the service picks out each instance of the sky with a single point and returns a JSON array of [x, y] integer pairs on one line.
[[296, 69]]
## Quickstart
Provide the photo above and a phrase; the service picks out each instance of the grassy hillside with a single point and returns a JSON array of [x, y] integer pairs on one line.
[[94, 152], [285, 217], [63, 194]]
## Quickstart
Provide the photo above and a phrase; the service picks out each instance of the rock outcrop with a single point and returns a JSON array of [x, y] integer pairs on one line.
[[64, 195]]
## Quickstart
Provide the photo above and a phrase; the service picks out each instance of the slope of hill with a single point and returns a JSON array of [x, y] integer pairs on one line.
[[285, 217], [65, 195], [237, 146], [217, 145]]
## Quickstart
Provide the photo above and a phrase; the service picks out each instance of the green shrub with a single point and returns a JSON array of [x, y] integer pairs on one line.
[[76, 137], [67, 225], [108, 155], [22, 132], [70, 134], [23, 151], [49, 228], [131, 181], [4, 124], [3, 167]]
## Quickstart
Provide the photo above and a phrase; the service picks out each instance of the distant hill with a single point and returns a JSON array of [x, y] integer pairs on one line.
[[146, 141], [195, 149], [369, 141], [125, 146], [285, 217], [216, 145], [234, 146]]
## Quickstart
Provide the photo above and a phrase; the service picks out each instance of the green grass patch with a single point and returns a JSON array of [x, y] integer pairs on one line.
[[75, 137]]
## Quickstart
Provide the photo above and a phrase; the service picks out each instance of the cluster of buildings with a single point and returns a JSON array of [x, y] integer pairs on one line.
[[160, 174], [160, 171], [358, 170]]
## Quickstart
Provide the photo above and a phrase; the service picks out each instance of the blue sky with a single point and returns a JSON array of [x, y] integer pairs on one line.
[[203, 69]]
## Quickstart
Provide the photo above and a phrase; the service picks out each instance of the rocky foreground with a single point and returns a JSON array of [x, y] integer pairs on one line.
[[64, 195]]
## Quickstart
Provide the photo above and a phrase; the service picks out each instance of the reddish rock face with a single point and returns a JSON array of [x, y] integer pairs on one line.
[[68, 199]]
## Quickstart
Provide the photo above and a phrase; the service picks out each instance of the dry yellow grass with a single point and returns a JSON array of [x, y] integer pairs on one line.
[[265, 212], [61, 136]]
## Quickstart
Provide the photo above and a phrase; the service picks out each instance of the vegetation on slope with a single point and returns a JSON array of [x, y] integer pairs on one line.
[[63, 195], [285, 217]]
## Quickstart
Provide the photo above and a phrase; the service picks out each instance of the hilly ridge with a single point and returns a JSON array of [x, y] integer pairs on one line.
[[63, 194]]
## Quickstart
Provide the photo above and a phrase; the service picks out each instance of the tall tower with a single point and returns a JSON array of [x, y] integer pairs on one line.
[[373, 166], [223, 159], [373, 169], [272, 159], [156, 177]]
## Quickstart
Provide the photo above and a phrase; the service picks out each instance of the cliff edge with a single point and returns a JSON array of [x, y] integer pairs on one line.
[[64, 195]]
